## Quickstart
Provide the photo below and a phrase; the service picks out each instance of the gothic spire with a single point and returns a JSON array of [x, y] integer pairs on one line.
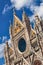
[[14, 11], [23, 15]]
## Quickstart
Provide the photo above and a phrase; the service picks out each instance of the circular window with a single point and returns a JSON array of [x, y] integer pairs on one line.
[[22, 45], [37, 62]]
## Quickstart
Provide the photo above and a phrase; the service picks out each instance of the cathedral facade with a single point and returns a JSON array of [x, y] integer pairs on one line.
[[26, 43]]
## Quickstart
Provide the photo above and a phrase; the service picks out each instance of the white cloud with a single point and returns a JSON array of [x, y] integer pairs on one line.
[[18, 4], [4, 38], [4, 64], [21, 3], [2, 50], [7, 8], [37, 10], [40, 10]]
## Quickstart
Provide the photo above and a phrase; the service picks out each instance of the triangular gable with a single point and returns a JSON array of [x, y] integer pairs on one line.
[[17, 25], [17, 21]]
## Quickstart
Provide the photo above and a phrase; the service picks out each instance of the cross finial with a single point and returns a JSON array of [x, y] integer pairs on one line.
[[23, 11], [23, 15]]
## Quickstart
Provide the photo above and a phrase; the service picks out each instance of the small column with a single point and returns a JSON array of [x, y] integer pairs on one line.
[[26, 22], [7, 54]]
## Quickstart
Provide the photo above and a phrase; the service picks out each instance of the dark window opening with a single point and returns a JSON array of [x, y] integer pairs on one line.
[[22, 45]]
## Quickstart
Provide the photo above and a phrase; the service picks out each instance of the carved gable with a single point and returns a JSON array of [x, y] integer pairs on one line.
[[18, 26]]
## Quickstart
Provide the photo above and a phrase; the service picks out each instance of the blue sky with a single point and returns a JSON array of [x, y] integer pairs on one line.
[[31, 8]]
